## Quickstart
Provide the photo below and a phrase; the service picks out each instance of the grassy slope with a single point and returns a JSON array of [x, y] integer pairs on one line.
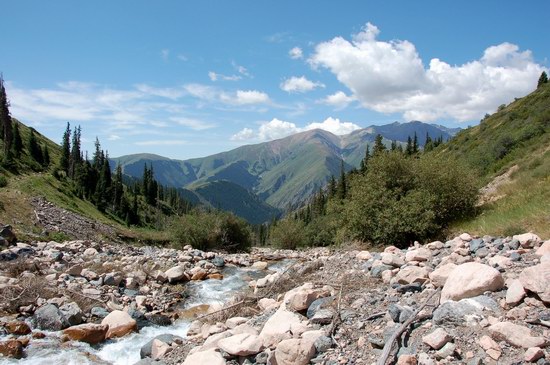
[[519, 134]]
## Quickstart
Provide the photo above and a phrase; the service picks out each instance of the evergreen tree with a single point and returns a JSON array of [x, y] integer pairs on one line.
[[409, 148], [66, 149], [393, 145], [428, 145], [34, 149], [5, 120], [415, 144], [75, 157], [543, 79], [96, 159], [378, 145], [365, 161], [118, 189], [46, 155], [342, 183], [332, 187], [17, 143]]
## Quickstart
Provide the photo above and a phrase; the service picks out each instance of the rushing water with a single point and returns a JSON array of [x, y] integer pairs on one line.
[[125, 350]]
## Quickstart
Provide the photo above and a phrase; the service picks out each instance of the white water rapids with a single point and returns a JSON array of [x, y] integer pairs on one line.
[[125, 350]]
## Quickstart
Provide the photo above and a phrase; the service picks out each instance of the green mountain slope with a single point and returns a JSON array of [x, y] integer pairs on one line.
[[511, 149], [281, 172]]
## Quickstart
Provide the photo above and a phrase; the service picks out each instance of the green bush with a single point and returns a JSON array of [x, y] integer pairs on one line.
[[3, 181], [288, 234], [212, 230], [401, 199]]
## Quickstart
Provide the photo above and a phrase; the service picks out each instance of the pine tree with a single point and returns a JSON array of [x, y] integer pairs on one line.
[[415, 144], [543, 79], [34, 149], [342, 183], [66, 149], [96, 159], [332, 187], [75, 157], [365, 161], [428, 145], [17, 142], [409, 148], [393, 145], [5, 120], [378, 145], [46, 155], [118, 189]]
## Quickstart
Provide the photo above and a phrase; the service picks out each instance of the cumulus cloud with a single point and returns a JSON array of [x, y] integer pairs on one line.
[[299, 85], [296, 53], [390, 77], [277, 128], [338, 100]]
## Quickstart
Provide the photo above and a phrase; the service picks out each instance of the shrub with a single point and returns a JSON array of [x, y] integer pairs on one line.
[[3, 181], [288, 234]]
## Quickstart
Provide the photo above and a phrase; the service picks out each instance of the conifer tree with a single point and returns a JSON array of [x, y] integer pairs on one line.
[[543, 79], [365, 161], [5, 120], [66, 149], [34, 149], [393, 145], [428, 145], [409, 148], [378, 145], [332, 187], [17, 142], [342, 183], [75, 157], [415, 144], [46, 155]]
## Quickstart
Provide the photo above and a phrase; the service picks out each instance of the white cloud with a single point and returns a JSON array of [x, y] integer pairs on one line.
[[245, 97], [170, 93], [215, 77], [339, 100], [113, 137], [277, 128], [390, 77], [299, 85], [194, 124], [296, 53], [241, 69], [183, 57], [165, 53]]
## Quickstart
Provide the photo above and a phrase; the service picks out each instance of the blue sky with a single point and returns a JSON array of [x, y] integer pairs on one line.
[[190, 78]]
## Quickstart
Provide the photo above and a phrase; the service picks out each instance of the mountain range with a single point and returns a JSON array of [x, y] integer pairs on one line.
[[257, 181]]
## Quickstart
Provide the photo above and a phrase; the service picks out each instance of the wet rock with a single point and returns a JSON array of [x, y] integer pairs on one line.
[[241, 345], [515, 335], [50, 318], [471, 279], [120, 324], [218, 261], [12, 349], [17, 328], [88, 332]]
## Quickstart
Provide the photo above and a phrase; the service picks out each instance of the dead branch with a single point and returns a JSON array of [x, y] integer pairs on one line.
[[374, 316], [389, 344], [336, 318]]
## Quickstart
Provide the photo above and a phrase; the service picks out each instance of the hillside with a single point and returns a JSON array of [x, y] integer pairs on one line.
[[510, 148], [283, 171]]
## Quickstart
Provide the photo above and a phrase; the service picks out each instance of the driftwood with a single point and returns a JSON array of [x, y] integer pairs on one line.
[[414, 317]]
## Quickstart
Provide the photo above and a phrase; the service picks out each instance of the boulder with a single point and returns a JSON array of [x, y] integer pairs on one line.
[[90, 252], [421, 254], [412, 274], [294, 352], [175, 274], [515, 293], [210, 357], [159, 349], [544, 249], [169, 339], [280, 327], [392, 259], [535, 279], [259, 265], [49, 317], [533, 354], [515, 335], [244, 344], [300, 298], [19, 328], [11, 348], [120, 323], [235, 321], [527, 240], [113, 279], [7, 233], [437, 339], [363, 255], [464, 311], [439, 276], [469, 280], [72, 312], [200, 274], [88, 332]]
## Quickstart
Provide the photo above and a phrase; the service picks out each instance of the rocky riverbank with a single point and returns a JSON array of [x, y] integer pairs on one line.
[[470, 300]]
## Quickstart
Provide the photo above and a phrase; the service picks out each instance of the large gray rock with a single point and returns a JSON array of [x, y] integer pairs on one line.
[[50, 318], [535, 279], [72, 312], [465, 310], [175, 274]]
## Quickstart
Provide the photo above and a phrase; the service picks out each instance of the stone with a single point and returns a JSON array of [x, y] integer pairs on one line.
[[465, 310], [75, 270], [113, 279], [200, 274], [235, 321], [146, 350], [11, 348], [209, 357], [446, 351], [19, 328], [376, 271], [323, 316], [159, 349], [533, 354], [363, 255], [420, 255], [412, 274], [87, 332], [469, 280], [516, 335], [318, 304], [544, 249], [49, 317], [392, 259], [99, 312], [120, 323], [301, 297], [243, 344], [294, 352], [515, 293], [488, 343], [218, 261], [465, 237], [90, 252], [215, 276], [439, 276], [536, 279], [279, 327], [437, 339], [159, 276], [322, 344], [267, 303], [407, 360], [72, 312], [175, 274], [527, 240], [259, 265]]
